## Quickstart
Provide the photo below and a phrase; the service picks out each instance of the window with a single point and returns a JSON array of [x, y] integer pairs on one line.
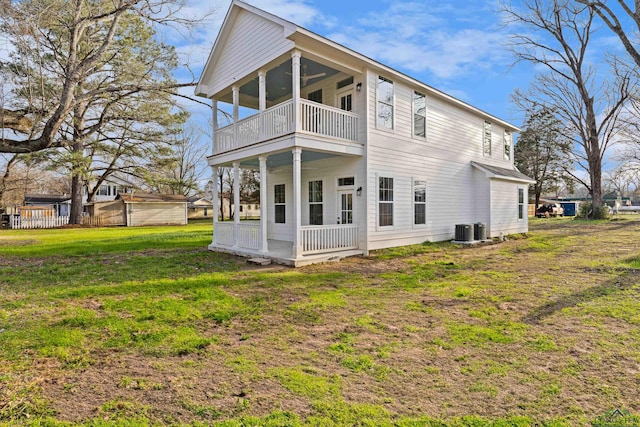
[[344, 83], [315, 96], [520, 203], [344, 182], [279, 202], [486, 139], [419, 202], [385, 201], [315, 202], [419, 115], [103, 190], [507, 144], [385, 103]]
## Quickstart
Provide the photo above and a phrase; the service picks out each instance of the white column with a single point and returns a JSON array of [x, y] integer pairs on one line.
[[214, 123], [236, 201], [297, 200], [262, 90], [262, 100], [236, 102], [264, 247], [295, 80], [216, 208]]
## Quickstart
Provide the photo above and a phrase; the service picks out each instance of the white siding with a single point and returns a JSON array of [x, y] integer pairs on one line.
[[504, 208], [252, 42], [456, 192], [156, 213]]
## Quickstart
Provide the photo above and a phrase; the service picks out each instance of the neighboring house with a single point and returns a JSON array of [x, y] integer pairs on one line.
[[353, 155], [109, 189], [140, 209], [47, 204], [199, 207]]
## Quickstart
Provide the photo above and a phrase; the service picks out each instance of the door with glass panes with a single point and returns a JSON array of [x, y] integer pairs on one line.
[[345, 207]]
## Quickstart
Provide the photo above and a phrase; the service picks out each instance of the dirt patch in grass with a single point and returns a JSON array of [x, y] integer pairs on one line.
[[544, 326]]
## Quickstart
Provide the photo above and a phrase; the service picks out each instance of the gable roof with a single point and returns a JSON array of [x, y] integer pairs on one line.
[[300, 34], [148, 197], [503, 173]]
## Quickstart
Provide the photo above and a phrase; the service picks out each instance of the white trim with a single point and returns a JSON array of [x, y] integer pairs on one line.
[[413, 116], [522, 205], [393, 105], [413, 202], [393, 203], [322, 203]]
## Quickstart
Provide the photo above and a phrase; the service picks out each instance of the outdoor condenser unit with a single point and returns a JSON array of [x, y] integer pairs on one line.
[[464, 232]]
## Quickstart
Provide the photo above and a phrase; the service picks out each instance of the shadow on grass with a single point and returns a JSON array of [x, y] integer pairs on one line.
[[624, 281]]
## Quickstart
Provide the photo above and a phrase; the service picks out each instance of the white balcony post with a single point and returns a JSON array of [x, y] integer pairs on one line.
[[236, 202], [295, 80], [236, 102], [216, 210], [214, 122], [264, 246], [297, 199], [262, 100]]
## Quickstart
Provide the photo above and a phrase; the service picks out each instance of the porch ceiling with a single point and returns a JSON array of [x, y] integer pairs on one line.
[[283, 159], [279, 84]]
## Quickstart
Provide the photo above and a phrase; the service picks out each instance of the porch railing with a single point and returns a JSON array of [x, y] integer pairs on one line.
[[279, 120], [327, 238], [244, 235], [329, 121], [19, 222]]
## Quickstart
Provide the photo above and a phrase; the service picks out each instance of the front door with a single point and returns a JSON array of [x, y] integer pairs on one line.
[[345, 207]]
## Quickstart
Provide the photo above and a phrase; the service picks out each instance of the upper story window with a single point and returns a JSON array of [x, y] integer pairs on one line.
[[344, 83], [385, 103], [486, 139], [419, 115], [508, 140]]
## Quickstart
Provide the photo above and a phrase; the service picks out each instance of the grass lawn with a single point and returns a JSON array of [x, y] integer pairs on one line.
[[144, 326]]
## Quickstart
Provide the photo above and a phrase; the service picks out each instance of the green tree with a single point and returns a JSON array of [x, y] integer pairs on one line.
[[542, 151], [101, 69]]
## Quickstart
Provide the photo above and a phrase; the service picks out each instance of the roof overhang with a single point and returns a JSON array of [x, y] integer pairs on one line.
[[494, 172]]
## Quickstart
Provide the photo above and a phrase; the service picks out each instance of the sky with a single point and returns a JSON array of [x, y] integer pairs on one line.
[[457, 46]]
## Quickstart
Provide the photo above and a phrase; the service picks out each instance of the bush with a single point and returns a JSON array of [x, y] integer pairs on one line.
[[587, 211]]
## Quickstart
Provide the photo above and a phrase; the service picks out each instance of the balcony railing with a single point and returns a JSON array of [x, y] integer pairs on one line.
[[279, 120]]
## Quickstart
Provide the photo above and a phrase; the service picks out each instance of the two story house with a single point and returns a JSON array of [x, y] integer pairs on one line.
[[353, 155]]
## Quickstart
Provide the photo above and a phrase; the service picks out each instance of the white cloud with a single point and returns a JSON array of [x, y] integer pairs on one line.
[[417, 37]]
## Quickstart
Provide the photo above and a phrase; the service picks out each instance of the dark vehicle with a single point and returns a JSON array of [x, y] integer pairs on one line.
[[549, 209]]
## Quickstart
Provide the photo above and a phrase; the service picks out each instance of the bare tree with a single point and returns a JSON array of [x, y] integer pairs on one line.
[[57, 45], [555, 34], [617, 21]]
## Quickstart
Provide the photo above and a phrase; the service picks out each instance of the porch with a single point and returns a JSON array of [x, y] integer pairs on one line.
[[319, 243]]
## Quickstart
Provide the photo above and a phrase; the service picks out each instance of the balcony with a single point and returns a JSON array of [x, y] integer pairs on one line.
[[315, 119]]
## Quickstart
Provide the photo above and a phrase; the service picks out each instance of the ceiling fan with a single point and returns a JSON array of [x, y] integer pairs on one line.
[[305, 78]]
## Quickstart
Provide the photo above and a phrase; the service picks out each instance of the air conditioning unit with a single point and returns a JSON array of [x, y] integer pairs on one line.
[[479, 231], [464, 232]]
